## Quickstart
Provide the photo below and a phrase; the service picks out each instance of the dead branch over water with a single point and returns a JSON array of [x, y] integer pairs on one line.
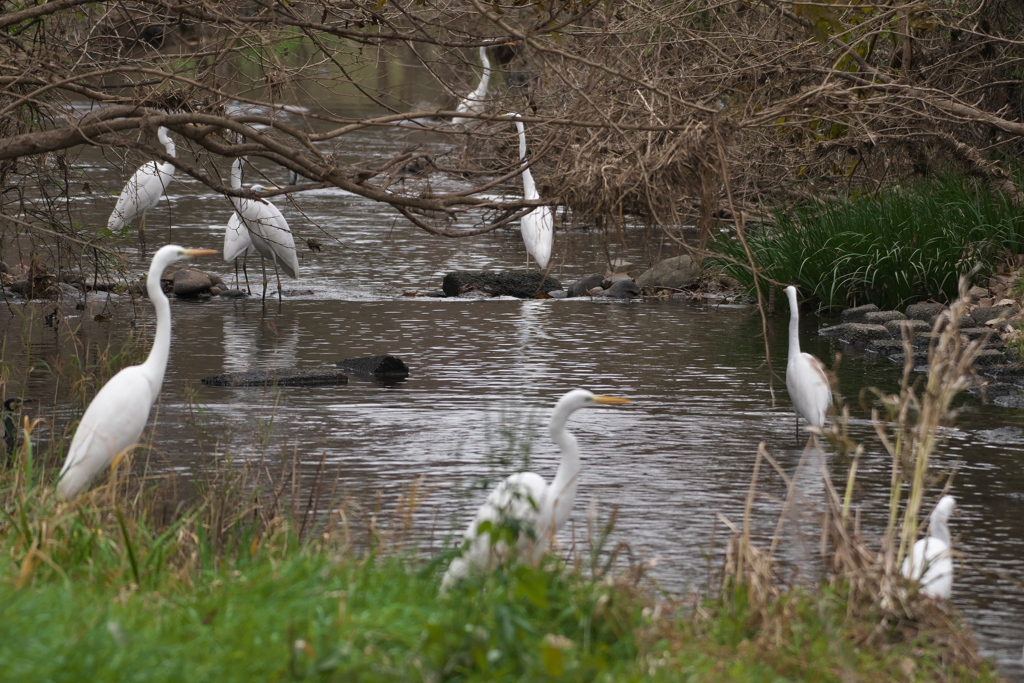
[[628, 104]]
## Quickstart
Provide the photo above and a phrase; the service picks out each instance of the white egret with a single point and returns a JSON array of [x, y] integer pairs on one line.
[[538, 226], [238, 244], [143, 191], [114, 420], [268, 231], [475, 102], [806, 379], [930, 562], [524, 503]]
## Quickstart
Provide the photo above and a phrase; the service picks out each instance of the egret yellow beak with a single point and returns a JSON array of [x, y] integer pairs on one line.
[[610, 399], [200, 252]]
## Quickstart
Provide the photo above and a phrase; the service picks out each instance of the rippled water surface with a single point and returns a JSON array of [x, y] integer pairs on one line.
[[482, 368]]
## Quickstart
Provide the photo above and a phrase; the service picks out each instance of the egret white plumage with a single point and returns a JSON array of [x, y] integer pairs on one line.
[[114, 420], [930, 562], [806, 379], [476, 101], [238, 244], [538, 226], [526, 503], [268, 231], [143, 191]]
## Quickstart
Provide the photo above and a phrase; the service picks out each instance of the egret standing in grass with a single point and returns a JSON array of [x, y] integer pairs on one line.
[[930, 562], [10, 410], [476, 101], [114, 420], [806, 379], [268, 231], [524, 503], [143, 191], [538, 226]]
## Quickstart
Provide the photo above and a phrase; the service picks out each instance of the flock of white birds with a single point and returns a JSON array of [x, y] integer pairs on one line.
[[114, 421]]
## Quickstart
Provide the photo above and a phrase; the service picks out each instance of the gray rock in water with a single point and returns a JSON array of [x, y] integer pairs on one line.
[[622, 289], [882, 317], [857, 315], [191, 283], [1000, 434], [1009, 401], [924, 310], [4, 268], [581, 287], [885, 347], [19, 287], [679, 272], [380, 366], [980, 316], [491, 283], [896, 327], [233, 294], [285, 378], [855, 333], [558, 294]]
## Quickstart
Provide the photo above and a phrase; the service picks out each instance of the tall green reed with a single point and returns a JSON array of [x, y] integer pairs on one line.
[[904, 244]]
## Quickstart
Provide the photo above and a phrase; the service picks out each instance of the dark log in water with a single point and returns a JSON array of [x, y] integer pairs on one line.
[[285, 378], [378, 366], [521, 285]]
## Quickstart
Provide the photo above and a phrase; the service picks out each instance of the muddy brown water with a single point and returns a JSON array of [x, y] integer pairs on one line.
[[483, 370]]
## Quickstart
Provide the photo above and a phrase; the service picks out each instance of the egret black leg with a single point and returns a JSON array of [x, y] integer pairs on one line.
[[142, 234], [245, 260], [263, 261], [278, 274]]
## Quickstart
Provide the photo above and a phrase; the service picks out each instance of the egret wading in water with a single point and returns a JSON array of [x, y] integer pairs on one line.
[[238, 244], [930, 562], [525, 503], [10, 409], [538, 226], [806, 379], [475, 102], [268, 231], [114, 420], [143, 191]]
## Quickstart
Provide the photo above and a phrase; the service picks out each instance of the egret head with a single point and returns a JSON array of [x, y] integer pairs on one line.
[[942, 511], [173, 253], [581, 398]]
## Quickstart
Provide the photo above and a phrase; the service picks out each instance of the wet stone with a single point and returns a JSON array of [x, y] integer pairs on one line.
[[1009, 401], [622, 289], [980, 316], [581, 287], [994, 389], [885, 347], [990, 357], [858, 314], [882, 317], [896, 327], [492, 283], [855, 333], [191, 283], [918, 358], [924, 310], [679, 272], [973, 333], [233, 294]]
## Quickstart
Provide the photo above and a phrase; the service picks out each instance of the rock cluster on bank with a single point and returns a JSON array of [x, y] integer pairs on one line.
[[997, 322]]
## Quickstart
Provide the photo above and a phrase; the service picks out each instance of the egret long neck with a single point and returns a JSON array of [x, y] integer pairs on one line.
[[168, 143], [939, 528], [486, 78], [562, 492], [529, 187], [794, 325], [236, 174], [156, 362]]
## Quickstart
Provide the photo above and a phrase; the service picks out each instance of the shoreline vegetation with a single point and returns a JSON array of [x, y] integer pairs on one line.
[[250, 581]]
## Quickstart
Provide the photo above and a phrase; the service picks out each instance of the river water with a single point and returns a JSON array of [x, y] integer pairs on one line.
[[484, 373]]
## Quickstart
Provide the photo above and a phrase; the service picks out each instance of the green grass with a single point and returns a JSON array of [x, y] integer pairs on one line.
[[900, 246]]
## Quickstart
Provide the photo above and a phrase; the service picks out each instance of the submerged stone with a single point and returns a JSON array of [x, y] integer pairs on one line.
[[285, 378], [492, 283]]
